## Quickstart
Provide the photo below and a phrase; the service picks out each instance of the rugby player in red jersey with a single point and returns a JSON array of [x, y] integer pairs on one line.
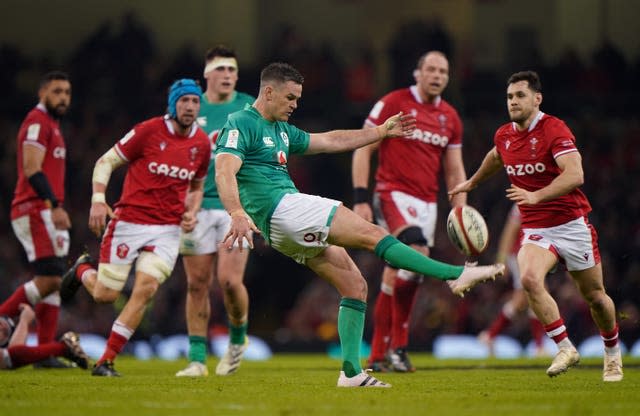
[[168, 157], [406, 193], [38, 217], [539, 154]]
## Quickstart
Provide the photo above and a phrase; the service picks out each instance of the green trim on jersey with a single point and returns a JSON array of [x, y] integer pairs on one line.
[[211, 119], [264, 148]]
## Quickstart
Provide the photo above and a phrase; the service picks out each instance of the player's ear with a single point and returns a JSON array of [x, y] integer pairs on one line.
[[538, 98]]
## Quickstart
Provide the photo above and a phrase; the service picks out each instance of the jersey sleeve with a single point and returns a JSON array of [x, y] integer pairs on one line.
[[562, 140], [36, 133], [235, 137], [381, 111], [298, 140], [205, 151], [457, 130], [131, 145]]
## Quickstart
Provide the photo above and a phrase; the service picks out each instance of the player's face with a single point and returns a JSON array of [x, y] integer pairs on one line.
[[283, 100], [187, 109], [433, 76], [56, 96], [522, 102], [222, 80]]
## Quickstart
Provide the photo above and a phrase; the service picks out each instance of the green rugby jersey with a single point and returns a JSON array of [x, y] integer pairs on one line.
[[264, 148], [211, 118]]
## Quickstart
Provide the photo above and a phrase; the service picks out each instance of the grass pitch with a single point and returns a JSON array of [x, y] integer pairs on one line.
[[304, 384]]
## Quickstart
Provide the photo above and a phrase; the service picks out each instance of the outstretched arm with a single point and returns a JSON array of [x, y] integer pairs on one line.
[[336, 141], [491, 163]]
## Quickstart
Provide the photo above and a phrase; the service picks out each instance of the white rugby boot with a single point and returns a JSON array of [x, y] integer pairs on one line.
[[565, 358], [472, 275], [362, 379]]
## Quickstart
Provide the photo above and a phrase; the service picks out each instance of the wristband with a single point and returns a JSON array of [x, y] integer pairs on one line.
[[98, 197], [360, 195], [40, 185]]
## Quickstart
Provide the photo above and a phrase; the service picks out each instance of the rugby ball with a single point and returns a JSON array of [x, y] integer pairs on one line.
[[467, 230]]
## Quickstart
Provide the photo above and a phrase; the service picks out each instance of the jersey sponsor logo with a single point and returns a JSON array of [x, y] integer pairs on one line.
[[430, 138], [285, 138], [232, 139], [525, 169], [59, 152], [268, 141], [171, 171], [33, 131], [375, 111], [127, 137]]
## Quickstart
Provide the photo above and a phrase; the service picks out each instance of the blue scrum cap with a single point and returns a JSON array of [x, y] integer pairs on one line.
[[179, 88]]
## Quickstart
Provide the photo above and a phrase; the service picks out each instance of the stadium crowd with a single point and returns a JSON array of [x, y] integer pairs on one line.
[[119, 77]]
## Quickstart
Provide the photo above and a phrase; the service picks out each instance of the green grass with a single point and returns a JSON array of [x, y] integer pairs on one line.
[[304, 384]]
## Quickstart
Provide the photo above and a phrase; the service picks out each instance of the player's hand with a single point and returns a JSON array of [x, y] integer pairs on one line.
[[26, 312], [60, 218], [242, 227], [399, 125], [521, 196], [465, 186], [363, 209], [98, 217], [189, 221]]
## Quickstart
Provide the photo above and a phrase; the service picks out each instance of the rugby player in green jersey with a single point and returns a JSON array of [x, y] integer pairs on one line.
[[255, 188], [202, 259]]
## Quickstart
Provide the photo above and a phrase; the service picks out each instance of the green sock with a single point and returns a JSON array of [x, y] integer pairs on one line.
[[197, 349], [401, 256], [350, 329], [237, 334]]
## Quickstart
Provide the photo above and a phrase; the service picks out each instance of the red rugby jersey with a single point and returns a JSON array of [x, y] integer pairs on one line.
[[43, 131], [161, 165], [412, 165], [529, 159]]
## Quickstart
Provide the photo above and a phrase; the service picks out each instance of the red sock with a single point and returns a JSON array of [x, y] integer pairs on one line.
[[610, 338], [556, 330], [537, 331], [22, 354], [46, 322], [498, 325], [404, 296], [10, 306], [115, 343], [381, 327]]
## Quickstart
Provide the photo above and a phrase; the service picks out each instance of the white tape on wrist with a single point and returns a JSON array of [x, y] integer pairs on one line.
[[98, 197]]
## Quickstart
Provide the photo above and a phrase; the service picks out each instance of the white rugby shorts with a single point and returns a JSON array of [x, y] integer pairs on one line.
[[575, 243], [39, 236], [213, 225], [300, 225], [396, 210]]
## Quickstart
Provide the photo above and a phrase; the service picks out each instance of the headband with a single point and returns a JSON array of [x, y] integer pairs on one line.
[[220, 61]]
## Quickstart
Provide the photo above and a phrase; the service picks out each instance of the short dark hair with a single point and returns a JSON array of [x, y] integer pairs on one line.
[[530, 76], [219, 50], [53, 76], [280, 72], [423, 57]]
